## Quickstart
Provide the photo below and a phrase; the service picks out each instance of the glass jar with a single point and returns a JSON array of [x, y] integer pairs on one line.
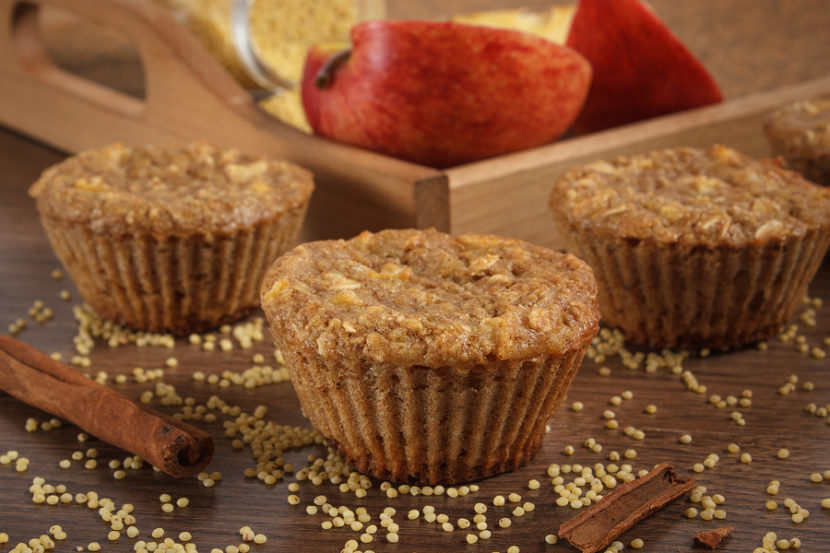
[[271, 37], [263, 43]]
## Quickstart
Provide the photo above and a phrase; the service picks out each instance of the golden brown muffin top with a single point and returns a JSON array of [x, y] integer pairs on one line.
[[166, 190], [691, 196], [410, 297], [804, 125]]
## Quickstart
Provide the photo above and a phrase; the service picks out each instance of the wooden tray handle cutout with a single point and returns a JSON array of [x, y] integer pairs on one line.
[[32, 56], [58, 107]]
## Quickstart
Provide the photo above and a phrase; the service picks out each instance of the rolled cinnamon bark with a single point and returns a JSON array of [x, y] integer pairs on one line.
[[33, 377], [594, 528]]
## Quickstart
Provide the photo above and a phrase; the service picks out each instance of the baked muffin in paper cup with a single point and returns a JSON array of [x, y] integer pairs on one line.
[[429, 359], [800, 133], [694, 248], [170, 238]]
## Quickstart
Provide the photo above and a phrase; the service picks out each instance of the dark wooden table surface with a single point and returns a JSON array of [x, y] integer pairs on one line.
[[749, 45]]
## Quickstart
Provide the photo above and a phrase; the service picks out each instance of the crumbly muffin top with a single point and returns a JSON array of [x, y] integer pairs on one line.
[[804, 125], [169, 189], [691, 196], [411, 297]]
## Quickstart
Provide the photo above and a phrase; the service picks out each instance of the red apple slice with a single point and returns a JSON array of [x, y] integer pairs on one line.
[[641, 69], [443, 93]]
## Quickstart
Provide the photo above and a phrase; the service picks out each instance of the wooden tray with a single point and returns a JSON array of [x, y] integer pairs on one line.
[[190, 97]]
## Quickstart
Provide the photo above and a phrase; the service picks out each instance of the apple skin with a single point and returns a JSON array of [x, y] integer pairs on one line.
[[443, 94], [641, 70]]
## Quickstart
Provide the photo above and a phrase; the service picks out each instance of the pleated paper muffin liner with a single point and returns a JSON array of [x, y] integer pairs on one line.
[[693, 296], [433, 425], [176, 284]]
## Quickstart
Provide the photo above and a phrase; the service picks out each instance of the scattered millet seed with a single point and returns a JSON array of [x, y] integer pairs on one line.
[[783, 453], [167, 507], [771, 505], [157, 533], [637, 543], [94, 546], [577, 406], [651, 409], [691, 512], [185, 536], [532, 484], [746, 458], [733, 448], [260, 539], [825, 503]]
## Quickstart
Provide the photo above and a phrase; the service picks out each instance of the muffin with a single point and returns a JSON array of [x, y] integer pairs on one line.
[[170, 238], [694, 248], [800, 133], [424, 358]]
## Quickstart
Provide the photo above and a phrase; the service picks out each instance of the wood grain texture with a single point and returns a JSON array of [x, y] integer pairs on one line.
[[749, 45], [215, 514]]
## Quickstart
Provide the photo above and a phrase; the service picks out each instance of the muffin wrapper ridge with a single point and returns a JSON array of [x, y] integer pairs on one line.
[[172, 284], [671, 295], [426, 425]]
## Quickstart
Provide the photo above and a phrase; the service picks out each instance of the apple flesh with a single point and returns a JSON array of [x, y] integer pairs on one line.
[[641, 70], [443, 93]]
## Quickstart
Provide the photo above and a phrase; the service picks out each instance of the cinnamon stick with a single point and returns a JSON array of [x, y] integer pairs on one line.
[[594, 528], [33, 377]]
